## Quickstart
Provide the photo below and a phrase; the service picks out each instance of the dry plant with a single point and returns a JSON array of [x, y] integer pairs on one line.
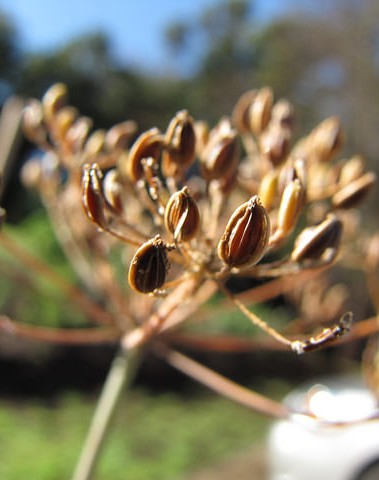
[[186, 212]]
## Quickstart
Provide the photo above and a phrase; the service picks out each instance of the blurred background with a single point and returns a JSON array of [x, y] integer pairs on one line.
[[145, 60]]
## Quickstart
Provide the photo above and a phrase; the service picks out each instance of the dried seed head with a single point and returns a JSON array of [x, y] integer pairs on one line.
[[182, 217], [118, 137], [274, 144], [326, 139], [260, 110], [240, 114], [54, 99], [147, 145], [180, 144], [292, 201], [268, 189], [353, 193], [149, 266], [246, 235], [221, 153], [92, 194], [33, 123], [317, 242]]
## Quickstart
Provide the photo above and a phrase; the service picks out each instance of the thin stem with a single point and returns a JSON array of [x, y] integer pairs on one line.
[[44, 270], [222, 385], [121, 373], [65, 336], [255, 319]]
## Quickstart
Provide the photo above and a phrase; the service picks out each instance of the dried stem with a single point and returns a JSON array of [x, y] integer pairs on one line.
[[121, 373], [220, 384]]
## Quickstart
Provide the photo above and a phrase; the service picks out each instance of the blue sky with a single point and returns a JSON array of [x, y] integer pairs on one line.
[[135, 27]]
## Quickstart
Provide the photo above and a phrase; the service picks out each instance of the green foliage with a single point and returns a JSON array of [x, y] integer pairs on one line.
[[160, 438]]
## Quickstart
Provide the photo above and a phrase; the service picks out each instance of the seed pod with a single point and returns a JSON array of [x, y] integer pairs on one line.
[[351, 170], [54, 99], [326, 139], [274, 144], [260, 110], [180, 143], [314, 243], [290, 206], [240, 114], [246, 235], [149, 266], [77, 134], [353, 193], [221, 153], [202, 136], [119, 136], [147, 145], [31, 173], [182, 217], [94, 144], [92, 195], [33, 122], [112, 189], [63, 120], [268, 189], [283, 114]]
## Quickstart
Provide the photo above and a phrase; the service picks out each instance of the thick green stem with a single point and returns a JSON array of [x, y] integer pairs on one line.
[[121, 373]]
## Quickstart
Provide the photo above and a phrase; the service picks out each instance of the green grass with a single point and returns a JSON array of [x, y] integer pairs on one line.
[[153, 437]]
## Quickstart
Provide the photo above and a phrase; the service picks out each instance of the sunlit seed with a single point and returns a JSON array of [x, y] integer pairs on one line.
[[313, 242], [260, 110], [149, 266], [54, 99], [182, 217], [290, 206], [240, 114], [353, 193], [92, 195], [246, 235], [147, 145]]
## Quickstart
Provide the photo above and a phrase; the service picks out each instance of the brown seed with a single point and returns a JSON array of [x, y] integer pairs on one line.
[[246, 235], [260, 110], [268, 189], [283, 114], [92, 194], [33, 123], [180, 143], [119, 136], [353, 193], [240, 114], [221, 153], [78, 133], [274, 144], [148, 144], [290, 206], [182, 217], [314, 242], [112, 189], [326, 139], [149, 266]]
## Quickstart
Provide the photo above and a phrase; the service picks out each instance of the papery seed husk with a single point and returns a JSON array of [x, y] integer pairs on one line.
[[353, 194], [314, 241], [182, 217], [246, 235], [149, 266], [119, 136]]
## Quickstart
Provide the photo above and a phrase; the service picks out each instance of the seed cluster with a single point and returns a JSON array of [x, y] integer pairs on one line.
[[193, 204]]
